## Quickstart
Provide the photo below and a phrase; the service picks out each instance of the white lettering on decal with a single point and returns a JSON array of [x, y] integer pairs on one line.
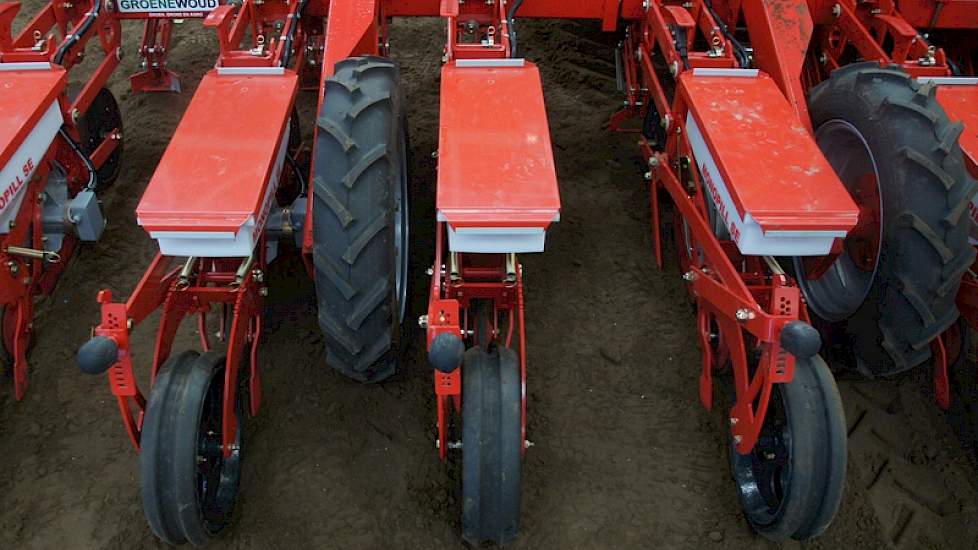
[[167, 6], [11, 189]]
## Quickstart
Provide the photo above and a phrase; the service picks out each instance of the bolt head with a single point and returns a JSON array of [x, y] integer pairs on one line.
[[738, 439], [689, 276], [423, 321], [743, 314]]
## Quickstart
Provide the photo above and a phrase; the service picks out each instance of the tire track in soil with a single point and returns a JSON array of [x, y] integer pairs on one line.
[[914, 473], [624, 456]]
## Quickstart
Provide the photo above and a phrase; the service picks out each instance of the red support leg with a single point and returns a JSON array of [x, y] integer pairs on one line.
[[156, 44], [22, 337]]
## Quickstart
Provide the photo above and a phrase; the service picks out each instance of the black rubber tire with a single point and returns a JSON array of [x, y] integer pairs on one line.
[[811, 495], [170, 484], [102, 117], [360, 152], [925, 193], [491, 445]]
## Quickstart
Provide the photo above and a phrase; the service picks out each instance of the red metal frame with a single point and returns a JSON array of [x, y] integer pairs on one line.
[[473, 277], [742, 305], [56, 35], [798, 48], [729, 288], [467, 195], [744, 302], [179, 292], [358, 27], [231, 284], [748, 306]]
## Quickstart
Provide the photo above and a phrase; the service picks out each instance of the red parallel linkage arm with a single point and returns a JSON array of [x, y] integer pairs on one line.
[[722, 292], [443, 317], [167, 287], [727, 297], [117, 322]]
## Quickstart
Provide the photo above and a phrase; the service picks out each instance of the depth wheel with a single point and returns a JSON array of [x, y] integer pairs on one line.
[[188, 487], [893, 287], [94, 126], [491, 442], [360, 221], [791, 483]]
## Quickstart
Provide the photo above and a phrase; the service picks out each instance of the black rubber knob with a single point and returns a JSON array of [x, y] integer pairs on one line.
[[97, 355], [801, 339], [446, 352]]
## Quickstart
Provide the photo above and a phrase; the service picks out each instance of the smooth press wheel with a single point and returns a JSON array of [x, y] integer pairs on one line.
[[791, 483], [360, 218], [491, 441], [892, 288], [188, 486], [102, 117]]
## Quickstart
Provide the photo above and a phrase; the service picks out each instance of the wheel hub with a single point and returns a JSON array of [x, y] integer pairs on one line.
[[217, 475], [837, 285], [764, 475]]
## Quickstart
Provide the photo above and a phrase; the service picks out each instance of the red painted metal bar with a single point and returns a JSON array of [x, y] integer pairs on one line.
[[780, 38], [352, 29], [602, 10]]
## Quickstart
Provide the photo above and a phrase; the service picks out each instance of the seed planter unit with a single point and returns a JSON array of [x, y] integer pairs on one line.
[[773, 187], [56, 150]]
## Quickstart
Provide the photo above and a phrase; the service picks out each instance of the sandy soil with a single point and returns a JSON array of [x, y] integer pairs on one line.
[[624, 458]]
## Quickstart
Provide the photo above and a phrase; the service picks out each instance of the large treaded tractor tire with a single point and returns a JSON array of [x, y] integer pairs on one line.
[[791, 483], [188, 487], [894, 296], [491, 440], [360, 217]]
